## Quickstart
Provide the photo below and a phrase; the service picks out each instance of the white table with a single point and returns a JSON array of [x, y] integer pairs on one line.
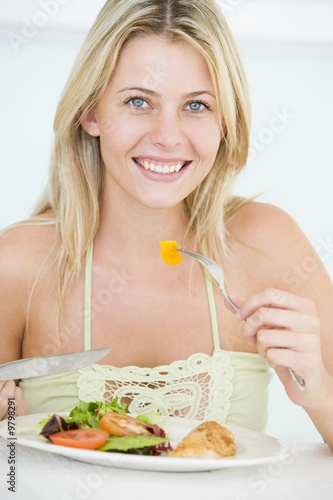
[[307, 474]]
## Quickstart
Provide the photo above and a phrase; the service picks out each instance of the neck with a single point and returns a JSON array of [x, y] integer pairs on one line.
[[133, 233]]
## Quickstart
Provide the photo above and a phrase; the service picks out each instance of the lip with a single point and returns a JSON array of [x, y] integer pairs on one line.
[[161, 161], [159, 177]]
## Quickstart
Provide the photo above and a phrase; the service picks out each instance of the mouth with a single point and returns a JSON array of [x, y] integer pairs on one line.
[[162, 167]]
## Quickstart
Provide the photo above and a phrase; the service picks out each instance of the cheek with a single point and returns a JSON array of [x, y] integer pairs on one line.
[[206, 140], [118, 136]]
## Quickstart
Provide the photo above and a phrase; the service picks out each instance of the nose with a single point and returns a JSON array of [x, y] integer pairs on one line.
[[167, 130]]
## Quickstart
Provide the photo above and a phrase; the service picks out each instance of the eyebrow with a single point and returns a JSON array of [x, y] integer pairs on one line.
[[151, 92]]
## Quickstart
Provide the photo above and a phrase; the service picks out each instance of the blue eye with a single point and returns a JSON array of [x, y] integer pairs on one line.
[[137, 102], [195, 106], [198, 106], [140, 103]]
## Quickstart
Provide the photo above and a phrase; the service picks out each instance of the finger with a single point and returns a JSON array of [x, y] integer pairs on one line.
[[20, 405], [283, 339], [286, 378], [286, 358], [237, 301], [303, 365], [271, 297], [268, 339], [269, 317], [7, 391], [3, 407], [2, 384]]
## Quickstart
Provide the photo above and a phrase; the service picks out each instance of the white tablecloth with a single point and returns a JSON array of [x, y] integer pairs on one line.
[[307, 474]]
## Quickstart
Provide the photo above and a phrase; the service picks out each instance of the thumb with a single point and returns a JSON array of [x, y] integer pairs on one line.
[[237, 301]]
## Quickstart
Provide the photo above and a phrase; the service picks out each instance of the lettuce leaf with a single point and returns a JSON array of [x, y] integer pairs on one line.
[[153, 417], [126, 443], [90, 414], [45, 420], [57, 424], [85, 415], [154, 420]]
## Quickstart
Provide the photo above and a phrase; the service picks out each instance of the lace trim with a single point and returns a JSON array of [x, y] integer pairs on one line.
[[198, 388]]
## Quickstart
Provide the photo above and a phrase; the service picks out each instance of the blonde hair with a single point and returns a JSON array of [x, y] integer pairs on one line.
[[76, 170]]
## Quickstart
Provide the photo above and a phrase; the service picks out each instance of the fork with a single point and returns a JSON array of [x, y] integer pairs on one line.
[[214, 269]]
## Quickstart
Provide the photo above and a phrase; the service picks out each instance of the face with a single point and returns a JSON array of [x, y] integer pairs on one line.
[[157, 122]]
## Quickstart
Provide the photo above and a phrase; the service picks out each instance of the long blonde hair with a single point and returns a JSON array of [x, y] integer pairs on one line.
[[76, 169]]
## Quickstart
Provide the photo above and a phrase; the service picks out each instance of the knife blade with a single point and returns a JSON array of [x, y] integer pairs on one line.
[[50, 365]]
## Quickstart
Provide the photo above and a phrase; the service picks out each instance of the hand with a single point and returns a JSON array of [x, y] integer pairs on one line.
[[8, 389], [286, 331]]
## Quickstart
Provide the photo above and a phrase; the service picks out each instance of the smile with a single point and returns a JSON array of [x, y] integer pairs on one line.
[[161, 168]]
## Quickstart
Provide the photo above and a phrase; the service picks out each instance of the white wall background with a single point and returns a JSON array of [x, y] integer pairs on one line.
[[287, 49]]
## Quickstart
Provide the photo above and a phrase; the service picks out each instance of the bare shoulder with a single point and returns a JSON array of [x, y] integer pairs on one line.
[[23, 246], [23, 250], [273, 244], [265, 226]]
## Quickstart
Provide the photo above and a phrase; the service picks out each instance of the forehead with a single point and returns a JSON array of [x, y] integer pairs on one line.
[[157, 60]]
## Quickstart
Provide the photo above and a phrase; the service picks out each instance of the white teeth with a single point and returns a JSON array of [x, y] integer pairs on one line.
[[159, 168]]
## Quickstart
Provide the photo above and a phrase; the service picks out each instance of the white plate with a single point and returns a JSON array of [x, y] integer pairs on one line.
[[253, 448]]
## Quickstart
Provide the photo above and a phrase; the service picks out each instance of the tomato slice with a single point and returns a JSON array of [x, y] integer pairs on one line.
[[167, 253], [122, 425], [88, 439]]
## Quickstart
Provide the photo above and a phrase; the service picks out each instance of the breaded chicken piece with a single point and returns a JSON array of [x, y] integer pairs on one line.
[[209, 440]]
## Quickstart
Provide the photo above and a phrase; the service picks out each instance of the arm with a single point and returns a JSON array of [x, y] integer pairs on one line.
[[13, 298], [290, 316]]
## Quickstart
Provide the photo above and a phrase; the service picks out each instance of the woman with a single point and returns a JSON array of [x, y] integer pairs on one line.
[[150, 133]]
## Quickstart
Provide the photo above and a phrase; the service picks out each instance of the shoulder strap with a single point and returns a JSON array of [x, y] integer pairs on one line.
[[213, 315], [87, 299]]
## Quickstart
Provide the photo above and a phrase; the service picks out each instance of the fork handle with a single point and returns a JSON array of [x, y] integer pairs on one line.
[[298, 380], [229, 301]]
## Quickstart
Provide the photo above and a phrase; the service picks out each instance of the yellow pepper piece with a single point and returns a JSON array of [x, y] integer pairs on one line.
[[168, 255]]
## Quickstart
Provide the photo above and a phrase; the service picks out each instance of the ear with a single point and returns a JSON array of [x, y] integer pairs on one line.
[[89, 123]]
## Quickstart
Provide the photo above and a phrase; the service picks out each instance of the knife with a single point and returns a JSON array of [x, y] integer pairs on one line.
[[50, 365]]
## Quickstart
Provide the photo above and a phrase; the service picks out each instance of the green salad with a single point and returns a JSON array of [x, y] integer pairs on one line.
[[107, 427]]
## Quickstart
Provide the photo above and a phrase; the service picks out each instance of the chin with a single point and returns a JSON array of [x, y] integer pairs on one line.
[[161, 203]]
